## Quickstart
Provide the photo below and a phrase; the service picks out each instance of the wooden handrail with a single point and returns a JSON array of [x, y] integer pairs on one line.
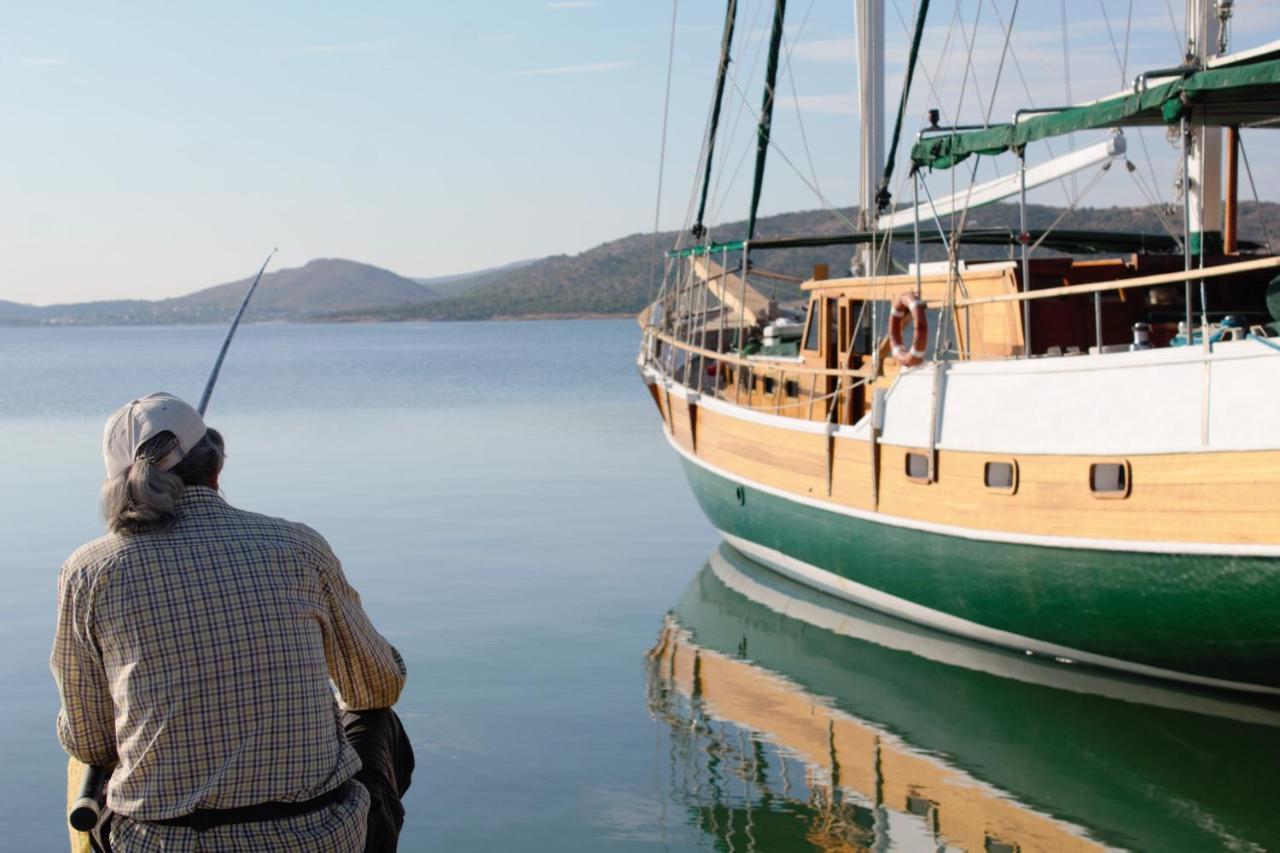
[[746, 362], [1124, 284]]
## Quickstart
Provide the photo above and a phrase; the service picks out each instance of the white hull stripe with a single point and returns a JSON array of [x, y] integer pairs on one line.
[[883, 602], [1002, 536]]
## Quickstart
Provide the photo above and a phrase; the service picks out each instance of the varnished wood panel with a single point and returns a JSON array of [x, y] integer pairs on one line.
[[1220, 497]]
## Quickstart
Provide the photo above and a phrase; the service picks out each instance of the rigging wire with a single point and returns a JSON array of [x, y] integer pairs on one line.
[[706, 159], [970, 71], [924, 69], [1123, 64], [1262, 214], [1173, 25], [1066, 71], [1071, 208], [795, 95], [745, 107], [693, 190], [1026, 90], [773, 143], [662, 153], [742, 110], [1156, 206]]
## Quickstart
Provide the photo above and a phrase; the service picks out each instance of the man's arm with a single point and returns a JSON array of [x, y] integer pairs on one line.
[[367, 670], [86, 721]]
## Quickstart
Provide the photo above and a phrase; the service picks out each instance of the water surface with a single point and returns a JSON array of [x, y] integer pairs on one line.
[[502, 496]]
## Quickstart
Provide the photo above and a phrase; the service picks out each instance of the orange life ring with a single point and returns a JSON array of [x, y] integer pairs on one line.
[[920, 329]]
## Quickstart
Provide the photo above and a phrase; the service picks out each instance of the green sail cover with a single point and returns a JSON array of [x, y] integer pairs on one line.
[[1237, 96]]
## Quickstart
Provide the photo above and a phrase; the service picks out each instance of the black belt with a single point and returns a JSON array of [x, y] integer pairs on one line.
[[203, 819]]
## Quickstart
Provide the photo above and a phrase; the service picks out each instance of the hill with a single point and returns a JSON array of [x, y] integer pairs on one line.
[[459, 283], [319, 288], [615, 277]]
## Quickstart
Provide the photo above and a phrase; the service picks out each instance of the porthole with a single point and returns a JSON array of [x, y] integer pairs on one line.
[[917, 467], [1001, 476], [1110, 479], [791, 388], [769, 384]]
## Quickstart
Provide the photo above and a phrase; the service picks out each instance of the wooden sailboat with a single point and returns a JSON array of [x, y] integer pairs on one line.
[[1073, 457]]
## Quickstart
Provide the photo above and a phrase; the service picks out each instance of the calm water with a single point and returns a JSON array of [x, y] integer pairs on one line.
[[502, 496]]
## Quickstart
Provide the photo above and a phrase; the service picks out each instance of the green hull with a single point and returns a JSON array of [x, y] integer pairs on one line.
[[1210, 617]]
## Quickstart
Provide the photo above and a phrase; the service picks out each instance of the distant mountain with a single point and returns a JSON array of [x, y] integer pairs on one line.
[[459, 283], [619, 277], [614, 278], [320, 288]]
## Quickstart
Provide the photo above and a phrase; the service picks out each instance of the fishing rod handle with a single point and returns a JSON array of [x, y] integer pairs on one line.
[[86, 811]]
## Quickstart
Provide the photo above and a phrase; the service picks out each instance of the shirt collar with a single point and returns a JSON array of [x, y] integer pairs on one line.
[[198, 498]]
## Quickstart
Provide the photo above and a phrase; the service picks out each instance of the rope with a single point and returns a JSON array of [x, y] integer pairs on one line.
[[1141, 184], [795, 96], [831, 208], [662, 152], [1262, 214], [742, 109], [1072, 207], [1066, 72], [1026, 91], [924, 69]]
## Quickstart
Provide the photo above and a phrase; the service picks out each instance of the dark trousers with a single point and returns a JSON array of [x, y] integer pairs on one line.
[[380, 740], [387, 758]]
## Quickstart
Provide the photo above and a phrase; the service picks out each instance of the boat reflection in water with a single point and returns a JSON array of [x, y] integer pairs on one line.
[[793, 721]]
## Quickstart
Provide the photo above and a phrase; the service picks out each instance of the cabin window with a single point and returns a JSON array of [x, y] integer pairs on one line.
[[1110, 479], [1001, 476], [769, 384], [791, 388], [833, 315], [918, 467], [813, 330]]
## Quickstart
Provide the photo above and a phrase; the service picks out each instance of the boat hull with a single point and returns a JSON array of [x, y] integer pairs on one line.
[[1201, 618]]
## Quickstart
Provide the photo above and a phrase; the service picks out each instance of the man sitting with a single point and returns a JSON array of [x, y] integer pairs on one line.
[[197, 650]]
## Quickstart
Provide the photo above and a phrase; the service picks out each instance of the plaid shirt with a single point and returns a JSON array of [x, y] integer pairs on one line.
[[199, 657]]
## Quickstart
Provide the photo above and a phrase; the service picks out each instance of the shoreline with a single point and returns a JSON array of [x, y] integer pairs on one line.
[[512, 318]]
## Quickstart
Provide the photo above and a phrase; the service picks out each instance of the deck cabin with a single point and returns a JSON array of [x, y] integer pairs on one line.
[[820, 366]]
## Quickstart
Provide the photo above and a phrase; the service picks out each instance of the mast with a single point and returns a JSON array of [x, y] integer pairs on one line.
[[726, 44], [766, 113], [870, 22], [1203, 180]]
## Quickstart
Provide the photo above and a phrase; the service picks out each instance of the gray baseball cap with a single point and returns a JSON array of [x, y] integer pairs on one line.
[[134, 423]]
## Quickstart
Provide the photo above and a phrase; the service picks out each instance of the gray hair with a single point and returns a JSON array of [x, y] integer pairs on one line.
[[142, 497]]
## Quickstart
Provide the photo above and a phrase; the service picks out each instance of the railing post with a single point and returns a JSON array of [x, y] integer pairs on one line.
[[1024, 237], [1186, 218]]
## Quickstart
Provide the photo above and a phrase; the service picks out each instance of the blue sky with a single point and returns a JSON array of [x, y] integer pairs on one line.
[[152, 149]]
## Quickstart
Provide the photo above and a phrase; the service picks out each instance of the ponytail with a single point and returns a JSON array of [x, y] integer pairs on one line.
[[142, 497]]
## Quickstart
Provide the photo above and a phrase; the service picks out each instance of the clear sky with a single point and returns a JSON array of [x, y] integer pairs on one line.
[[151, 149]]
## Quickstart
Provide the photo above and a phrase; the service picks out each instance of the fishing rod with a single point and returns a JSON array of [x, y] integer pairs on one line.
[[235, 323], [86, 811]]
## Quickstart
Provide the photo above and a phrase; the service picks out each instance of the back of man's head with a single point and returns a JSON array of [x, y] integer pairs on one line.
[[154, 447]]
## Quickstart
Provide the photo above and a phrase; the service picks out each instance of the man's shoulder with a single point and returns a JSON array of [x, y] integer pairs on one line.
[[282, 530], [93, 557]]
